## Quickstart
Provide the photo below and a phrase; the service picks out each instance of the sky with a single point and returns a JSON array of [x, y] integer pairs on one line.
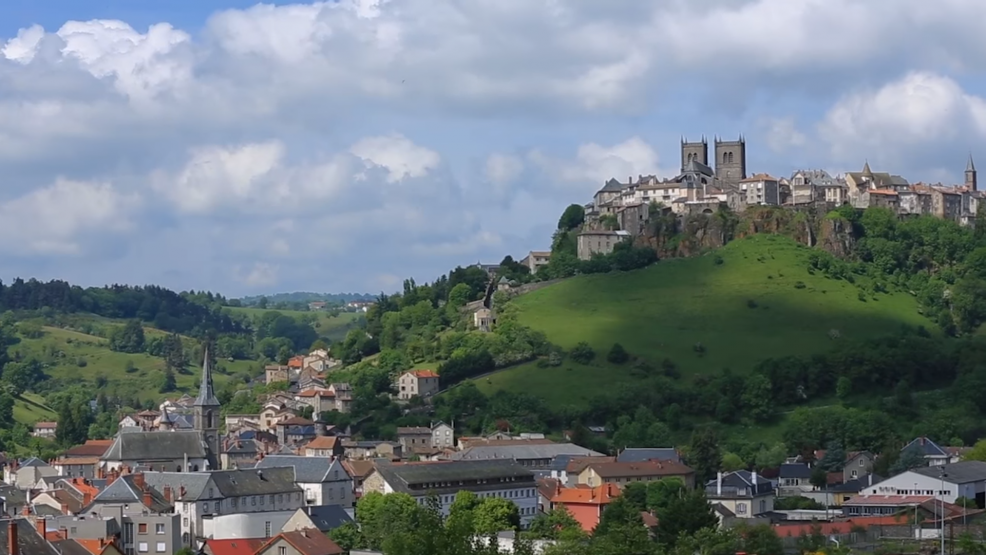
[[344, 146]]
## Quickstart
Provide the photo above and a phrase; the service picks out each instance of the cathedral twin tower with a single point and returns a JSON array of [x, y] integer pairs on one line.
[[730, 157]]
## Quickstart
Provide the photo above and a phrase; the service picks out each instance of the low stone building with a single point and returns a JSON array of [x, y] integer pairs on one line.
[[599, 242]]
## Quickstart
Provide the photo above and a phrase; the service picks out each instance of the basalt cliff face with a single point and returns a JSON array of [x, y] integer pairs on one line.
[[674, 237]]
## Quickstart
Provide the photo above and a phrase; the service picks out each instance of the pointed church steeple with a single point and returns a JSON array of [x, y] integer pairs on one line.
[[971, 166], [971, 180], [207, 395], [866, 168]]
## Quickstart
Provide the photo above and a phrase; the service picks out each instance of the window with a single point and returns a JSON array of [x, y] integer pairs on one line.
[[741, 508], [159, 529], [210, 492], [861, 462], [142, 547], [267, 529], [272, 499], [142, 528], [282, 551], [184, 521], [280, 497], [217, 506], [161, 547], [261, 499], [73, 531]]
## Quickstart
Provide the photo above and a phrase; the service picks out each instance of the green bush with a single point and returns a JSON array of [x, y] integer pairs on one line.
[[582, 353], [799, 285], [617, 354]]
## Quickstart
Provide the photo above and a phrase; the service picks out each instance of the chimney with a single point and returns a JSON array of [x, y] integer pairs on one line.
[[181, 492], [167, 493], [64, 509], [139, 480], [719, 483], [147, 499], [13, 546], [754, 477], [86, 499], [27, 509], [41, 525]]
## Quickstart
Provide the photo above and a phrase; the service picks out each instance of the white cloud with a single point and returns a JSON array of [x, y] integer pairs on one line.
[[595, 163], [261, 274], [501, 169], [23, 47], [54, 220], [919, 110], [783, 134], [400, 156]]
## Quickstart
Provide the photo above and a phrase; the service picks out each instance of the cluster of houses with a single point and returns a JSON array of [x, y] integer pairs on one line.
[[620, 210], [351, 306]]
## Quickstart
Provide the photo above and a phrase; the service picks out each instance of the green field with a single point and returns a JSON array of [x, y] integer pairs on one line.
[[30, 408], [743, 310], [326, 325], [101, 362]]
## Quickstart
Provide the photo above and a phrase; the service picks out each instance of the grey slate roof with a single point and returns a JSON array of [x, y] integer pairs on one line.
[[522, 452], [442, 477], [235, 483], [612, 186], [33, 461], [152, 446], [70, 547], [124, 490], [926, 447], [307, 470], [795, 471], [327, 517], [641, 454], [207, 396], [959, 473], [29, 542], [193, 482]]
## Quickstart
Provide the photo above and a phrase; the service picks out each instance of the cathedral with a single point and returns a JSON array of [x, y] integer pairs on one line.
[[729, 161], [173, 450]]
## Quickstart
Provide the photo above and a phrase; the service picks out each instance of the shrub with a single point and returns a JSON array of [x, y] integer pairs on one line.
[[717, 260], [554, 358], [81, 362], [861, 296], [799, 285], [670, 369], [750, 303], [583, 353], [129, 368], [617, 354], [699, 348]]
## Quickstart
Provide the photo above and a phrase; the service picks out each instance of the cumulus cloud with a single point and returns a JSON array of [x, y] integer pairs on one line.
[[261, 274], [919, 111], [56, 219], [400, 156]]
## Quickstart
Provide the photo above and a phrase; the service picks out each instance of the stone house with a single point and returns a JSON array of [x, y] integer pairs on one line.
[[535, 260], [44, 429], [633, 218], [323, 480], [148, 520], [599, 242], [276, 373], [483, 319], [761, 189], [413, 383], [412, 438], [442, 436], [323, 446]]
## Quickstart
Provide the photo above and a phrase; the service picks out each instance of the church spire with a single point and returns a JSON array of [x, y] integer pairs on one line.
[[970, 167], [207, 396]]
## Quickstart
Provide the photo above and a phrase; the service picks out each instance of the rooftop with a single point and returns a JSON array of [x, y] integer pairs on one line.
[[958, 473], [522, 450], [639, 469], [600, 495]]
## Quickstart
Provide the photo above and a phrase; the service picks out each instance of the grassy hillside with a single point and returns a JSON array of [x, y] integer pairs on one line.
[[326, 325], [750, 300]]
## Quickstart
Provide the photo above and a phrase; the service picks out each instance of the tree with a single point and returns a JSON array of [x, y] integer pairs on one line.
[[819, 478], [757, 398], [557, 524], [348, 536], [686, 514], [661, 492], [834, 459], [174, 353], [617, 354], [703, 454], [762, 540], [572, 217], [731, 462], [909, 458], [843, 387], [582, 353], [168, 384], [129, 338], [6, 410], [495, 514], [978, 451]]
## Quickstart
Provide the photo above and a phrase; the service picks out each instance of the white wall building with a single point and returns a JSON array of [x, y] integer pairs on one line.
[[245, 525], [963, 479]]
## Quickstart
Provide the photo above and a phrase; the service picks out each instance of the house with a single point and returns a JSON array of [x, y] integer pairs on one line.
[[127, 421], [296, 362], [859, 464], [84, 467], [374, 449], [276, 373], [945, 481], [316, 305], [91, 448], [640, 454], [294, 429], [590, 243], [483, 319], [442, 435], [794, 479], [25, 474], [882, 505], [505, 479], [413, 383], [175, 450], [147, 516], [231, 546], [529, 453], [323, 446], [44, 429], [933, 453], [18, 536], [201, 496], [324, 480], [760, 189], [79, 546], [617, 473], [412, 438], [300, 542], [535, 260], [741, 493], [360, 470], [61, 501], [586, 505], [241, 452], [323, 517]]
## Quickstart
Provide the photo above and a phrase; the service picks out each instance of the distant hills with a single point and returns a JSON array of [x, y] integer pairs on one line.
[[307, 297]]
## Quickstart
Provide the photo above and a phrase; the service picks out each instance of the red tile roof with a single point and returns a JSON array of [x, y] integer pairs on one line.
[[295, 421], [843, 527], [45, 425], [322, 442], [599, 495], [296, 362], [424, 373], [309, 541], [234, 547]]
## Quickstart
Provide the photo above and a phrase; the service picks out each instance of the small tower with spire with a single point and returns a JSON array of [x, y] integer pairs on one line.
[[970, 175], [206, 412]]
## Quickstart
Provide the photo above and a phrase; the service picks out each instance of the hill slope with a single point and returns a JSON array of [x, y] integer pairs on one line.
[[760, 301]]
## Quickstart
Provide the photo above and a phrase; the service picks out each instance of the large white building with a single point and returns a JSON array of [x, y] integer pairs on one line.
[[324, 480], [493, 478], [963, 479]]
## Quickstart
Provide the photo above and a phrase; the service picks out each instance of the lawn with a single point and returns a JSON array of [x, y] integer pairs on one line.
[[741, 310], [332, 327], [30, 408]]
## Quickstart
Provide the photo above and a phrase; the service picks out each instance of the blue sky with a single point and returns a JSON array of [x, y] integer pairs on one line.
[[344, 146]]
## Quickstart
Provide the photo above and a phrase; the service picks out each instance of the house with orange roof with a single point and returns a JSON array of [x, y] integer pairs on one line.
[[600, 473], [232, 547], [296, 362], [309, 541], [44, 429], [417, 383], [586, 505], [323, 446]]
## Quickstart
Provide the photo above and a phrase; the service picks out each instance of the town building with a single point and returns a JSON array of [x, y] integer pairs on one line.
[[741, 493], [44, 429], [324, 480], [622, 473], [417, 383], [535, 260]]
